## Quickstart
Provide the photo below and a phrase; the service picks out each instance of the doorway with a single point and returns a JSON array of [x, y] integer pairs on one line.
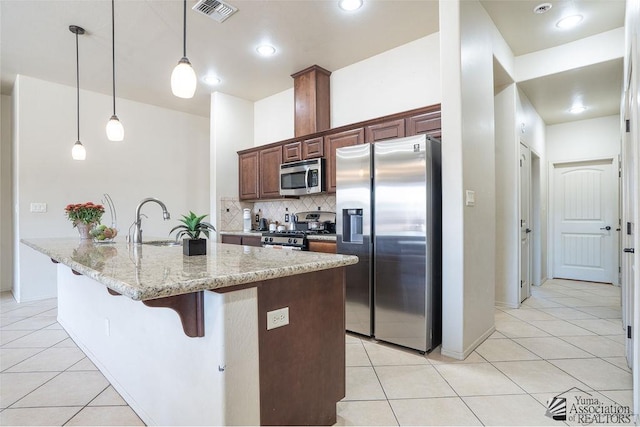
[[584, 216]]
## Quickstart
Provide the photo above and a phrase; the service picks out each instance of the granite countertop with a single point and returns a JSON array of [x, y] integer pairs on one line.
[[144, 272]]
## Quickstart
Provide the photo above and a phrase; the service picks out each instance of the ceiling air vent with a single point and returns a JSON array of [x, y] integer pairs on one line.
[[215, 9]]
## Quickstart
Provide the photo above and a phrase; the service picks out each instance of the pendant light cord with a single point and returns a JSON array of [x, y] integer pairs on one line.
[[113, 53], [184, 30], [78, 86]]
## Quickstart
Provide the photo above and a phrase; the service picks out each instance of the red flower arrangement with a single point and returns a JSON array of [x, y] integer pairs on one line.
[[87, 213]]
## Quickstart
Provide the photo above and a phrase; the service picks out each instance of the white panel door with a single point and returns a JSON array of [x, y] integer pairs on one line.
[[585, 219]]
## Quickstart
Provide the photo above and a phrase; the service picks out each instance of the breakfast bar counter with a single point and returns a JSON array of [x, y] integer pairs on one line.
[[243, 335]]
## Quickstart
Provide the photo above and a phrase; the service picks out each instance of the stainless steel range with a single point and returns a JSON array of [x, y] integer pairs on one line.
[[292, 240]]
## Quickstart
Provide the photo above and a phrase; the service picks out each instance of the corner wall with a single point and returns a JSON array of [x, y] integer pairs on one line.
[[6, 210], [468, 163], [165, 154]]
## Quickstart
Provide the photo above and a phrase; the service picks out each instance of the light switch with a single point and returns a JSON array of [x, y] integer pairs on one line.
[[470, 198], [38, 207]]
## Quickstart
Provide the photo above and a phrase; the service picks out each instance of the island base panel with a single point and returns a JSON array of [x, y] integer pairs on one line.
[[302, 364]]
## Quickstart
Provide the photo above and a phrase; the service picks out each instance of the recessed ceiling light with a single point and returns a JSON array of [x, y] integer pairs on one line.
[[542, 8], [266, 50], [349, 5], [577, 109], [211, 80], [569, 21]]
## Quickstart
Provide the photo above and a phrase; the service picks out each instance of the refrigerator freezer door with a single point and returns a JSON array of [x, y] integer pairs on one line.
[[353, 232], [402, 285]]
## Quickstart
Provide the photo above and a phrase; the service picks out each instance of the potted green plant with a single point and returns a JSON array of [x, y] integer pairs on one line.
[[192, 226]]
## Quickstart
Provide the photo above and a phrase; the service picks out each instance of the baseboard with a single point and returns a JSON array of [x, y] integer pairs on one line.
[[503, 304], [463, 355]]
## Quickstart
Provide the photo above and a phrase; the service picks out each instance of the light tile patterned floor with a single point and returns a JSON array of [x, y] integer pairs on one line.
[[568, 334]]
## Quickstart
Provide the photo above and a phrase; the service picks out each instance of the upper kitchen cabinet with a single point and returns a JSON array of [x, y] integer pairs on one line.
[[248, 175], [311, 88], [269, 170], [428, 123], [259, 173], [331, 143], [384, 130], [312, 148], [292, 151]]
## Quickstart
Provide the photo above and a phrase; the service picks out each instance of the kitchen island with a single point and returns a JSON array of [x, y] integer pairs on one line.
[[243, 335]]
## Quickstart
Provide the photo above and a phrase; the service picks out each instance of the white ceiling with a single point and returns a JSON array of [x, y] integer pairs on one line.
[[35, 41]]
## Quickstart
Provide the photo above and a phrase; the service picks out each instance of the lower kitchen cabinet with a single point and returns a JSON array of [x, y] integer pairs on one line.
[[238, 239], [322, 246]]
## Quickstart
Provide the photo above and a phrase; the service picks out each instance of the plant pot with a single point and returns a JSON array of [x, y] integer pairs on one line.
[[84, 228], [192, 247]]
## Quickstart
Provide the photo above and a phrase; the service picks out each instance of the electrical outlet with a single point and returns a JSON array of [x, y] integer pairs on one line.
[[107, 327], [277, 318], [286, 217], [38, 207]]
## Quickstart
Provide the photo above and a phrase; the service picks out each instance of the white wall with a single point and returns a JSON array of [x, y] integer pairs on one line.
[[6, 252], [231, 131], [584, 139], [165, 154], [467, 37], [397, 80], [274, 118]]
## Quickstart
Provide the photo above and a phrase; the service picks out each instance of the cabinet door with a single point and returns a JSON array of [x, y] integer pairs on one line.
[[270, 160], [248, 175], [252, 241], [331, 144], [386, 130], [321, 246], [428, 123], [231, 239], [312, 148], [291, 152]]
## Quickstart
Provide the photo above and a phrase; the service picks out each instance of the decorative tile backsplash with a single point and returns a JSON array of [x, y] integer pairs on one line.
[[231, 209]]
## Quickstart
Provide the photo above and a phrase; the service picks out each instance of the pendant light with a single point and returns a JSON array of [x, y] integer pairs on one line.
[[183, 78], [78, 152], [115, 130]]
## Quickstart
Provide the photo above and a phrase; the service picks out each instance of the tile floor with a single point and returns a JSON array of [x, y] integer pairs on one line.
[[568, 334]]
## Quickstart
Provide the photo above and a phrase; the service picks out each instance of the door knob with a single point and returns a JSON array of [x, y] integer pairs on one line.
[[629, 250], [528, 230], [608, 227]]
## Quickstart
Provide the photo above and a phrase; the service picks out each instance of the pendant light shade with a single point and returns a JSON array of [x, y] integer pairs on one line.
[[183, 78], [78, 151], [115, 130]]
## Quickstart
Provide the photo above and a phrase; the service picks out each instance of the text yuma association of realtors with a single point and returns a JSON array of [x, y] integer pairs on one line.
[[591, 410]]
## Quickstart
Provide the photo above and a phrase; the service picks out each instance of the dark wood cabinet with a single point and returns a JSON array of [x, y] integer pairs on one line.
[[312, 148], [238, 239], [322, 246], [428, 123], [385, 130], [292, 152], [249, 174], [331, 143], [269, 182], [260, 167]]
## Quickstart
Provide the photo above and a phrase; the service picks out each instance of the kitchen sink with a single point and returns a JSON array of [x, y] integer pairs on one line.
[[162, 243]]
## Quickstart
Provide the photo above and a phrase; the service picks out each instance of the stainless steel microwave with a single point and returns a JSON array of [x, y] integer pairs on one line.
[[301, 178]]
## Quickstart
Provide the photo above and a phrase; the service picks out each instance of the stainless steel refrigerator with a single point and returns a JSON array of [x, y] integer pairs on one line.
[[389, 215]]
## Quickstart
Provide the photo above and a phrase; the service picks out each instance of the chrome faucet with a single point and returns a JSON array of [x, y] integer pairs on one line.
[[137, 230]]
